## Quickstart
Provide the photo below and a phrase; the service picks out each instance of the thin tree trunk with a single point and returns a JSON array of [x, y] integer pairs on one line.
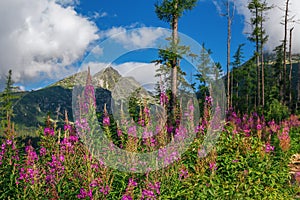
[[291, 69], [284, 49], [262, 80], [237, 94], [174, 61], [257, 61], [174, 73], [262, 63], [298, 89], [228, 53], [231, 93]]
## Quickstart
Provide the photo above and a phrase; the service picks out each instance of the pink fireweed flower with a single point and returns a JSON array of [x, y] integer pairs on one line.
[[28, 175], [209, 100], [106, 121], [163, 99], [105, 190], [141, 122], [31, 155], [119, 132], [67, 127], [43, 151], [48, 131], [82, 126], [62, 158], [212, 166], [126, 197], [247, 131], [3, 146], [183, 174], [169, 156], [284, 138], [132, 182], [155, 187], [8, 142], [259, 127], [94, 183], [132, 131], [84, 194], [148, 194], [273, 126], [56, 165], [180, 133], [146, 112], [269, 147], [170, 129]]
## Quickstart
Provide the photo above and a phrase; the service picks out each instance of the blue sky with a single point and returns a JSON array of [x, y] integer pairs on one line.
[[43, 41], [203, 23]]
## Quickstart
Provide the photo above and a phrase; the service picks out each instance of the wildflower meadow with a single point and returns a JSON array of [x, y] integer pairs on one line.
[[249, 160]]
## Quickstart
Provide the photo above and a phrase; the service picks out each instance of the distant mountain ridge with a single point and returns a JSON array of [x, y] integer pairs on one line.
[[33, 107]]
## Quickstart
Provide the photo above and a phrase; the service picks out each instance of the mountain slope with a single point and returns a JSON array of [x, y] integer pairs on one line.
[[33, 108]]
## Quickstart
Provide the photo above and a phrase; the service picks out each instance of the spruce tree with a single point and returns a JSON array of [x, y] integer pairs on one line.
[[6, 99]]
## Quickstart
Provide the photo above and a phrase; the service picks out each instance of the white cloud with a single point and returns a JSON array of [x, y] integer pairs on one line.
[[98, 15], [138, 38], [273, 25], [94, 67], [41, 39], [97, 51], [144, 73]]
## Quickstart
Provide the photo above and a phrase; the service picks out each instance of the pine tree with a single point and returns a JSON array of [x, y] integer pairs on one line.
[[238, 59], [258, 35], [6, 99], [170, 11]]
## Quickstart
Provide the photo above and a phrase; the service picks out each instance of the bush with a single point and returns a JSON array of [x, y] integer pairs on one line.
[[275, 110]]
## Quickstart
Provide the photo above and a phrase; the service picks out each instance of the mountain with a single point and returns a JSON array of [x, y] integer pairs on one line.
[[33, 107]]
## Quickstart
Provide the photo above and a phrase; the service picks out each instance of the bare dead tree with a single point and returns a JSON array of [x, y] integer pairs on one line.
[[291, 68], [284, 47]]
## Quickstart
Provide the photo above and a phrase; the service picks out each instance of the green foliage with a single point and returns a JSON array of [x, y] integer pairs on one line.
[[275, 110], [6, 99], [135, 105], [167, 10]]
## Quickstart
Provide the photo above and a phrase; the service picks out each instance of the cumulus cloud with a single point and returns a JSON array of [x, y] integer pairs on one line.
[[94, 67], [42, 39], [273, 25], [97, 50], [144, 73], [138, 38]]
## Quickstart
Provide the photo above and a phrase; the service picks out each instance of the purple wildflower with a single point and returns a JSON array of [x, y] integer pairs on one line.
[[212, 166], [43, 151], [132, 131], [269, 148], [148, 194], [48, 131], [67, 127], [183, 174], [105, 190], [126, 197], [8, 142], [106, 121]]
